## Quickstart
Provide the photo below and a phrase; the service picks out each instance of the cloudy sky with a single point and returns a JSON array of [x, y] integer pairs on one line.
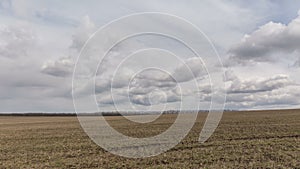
[[258, 43]]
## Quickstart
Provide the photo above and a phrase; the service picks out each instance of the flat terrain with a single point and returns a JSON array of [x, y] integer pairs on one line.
[[262, 139]]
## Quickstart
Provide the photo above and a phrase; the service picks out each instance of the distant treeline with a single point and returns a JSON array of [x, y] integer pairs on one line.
[[131, 113], [102, 113], [37, 114]]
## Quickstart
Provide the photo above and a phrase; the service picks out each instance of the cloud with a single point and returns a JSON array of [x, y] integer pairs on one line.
[[230, 75], [63, 67], [32, 58], [5, 4], [145, 88], [53, 16], [16, 41], [191, 69], [152, 87], [59, 68], [283, 97], [18, 8], [268, 41], [107, 99], [83, 32], [256, 92], [297, 63], [105, 84], [259, 85], [149, 87], [155, 97]]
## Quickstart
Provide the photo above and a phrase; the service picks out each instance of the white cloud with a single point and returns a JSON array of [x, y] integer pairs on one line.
[[250, 93], [63, 67], [16, 41], [264, 58], [191, 69], [107, 99], [30, 52], [155, 97], [83, 32], [272, 41], [60, 68], [19, 8], [280, 98], [259, 84]]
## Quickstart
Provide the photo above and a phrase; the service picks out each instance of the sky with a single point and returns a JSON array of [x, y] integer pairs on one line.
[[258, 44]]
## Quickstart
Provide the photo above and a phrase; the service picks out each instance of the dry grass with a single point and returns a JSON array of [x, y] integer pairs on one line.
[[268, 139]]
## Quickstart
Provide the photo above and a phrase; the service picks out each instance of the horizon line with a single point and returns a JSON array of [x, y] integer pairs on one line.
[[115, 113]]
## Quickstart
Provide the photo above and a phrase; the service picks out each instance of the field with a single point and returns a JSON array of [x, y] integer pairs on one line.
[[260, 139]]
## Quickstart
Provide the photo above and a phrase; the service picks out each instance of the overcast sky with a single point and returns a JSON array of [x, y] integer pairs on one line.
[[258, 43]]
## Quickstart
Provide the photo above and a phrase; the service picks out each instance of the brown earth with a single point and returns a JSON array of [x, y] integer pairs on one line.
[[257, 139]]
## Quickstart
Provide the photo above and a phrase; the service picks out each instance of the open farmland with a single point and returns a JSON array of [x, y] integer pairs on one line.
[[261, 139]]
